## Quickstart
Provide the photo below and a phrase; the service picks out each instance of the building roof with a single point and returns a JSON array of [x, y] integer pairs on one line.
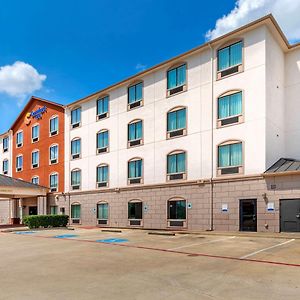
[[268, 19], [32, 98], [284, 165], [13, 182]]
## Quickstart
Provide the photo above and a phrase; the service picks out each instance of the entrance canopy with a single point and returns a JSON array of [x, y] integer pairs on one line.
[[16, 188]]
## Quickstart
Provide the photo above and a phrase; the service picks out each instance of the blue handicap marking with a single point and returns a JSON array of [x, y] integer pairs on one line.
[[25, 232], [112, 241], [65, 236]]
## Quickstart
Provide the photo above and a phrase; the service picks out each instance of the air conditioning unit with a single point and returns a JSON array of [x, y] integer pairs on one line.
[[101, 184], [53, 161], [53, 133], [35, 166], [176, 90], [75, 187], [102, 116], [19, 145], [102, 150], [34, 140], [134, 143], [75, 125], [54, 189], [134, 180], [19, 169], [102, 222], [75, 156], [135, 104]]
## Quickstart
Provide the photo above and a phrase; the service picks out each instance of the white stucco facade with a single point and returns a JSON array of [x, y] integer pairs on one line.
[[268, 130]]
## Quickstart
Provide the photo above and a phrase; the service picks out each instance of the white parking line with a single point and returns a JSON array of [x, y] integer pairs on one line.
[[208, 242], [268, 248]]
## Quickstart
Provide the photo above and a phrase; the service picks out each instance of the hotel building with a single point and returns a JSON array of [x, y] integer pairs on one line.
[[208, 140]]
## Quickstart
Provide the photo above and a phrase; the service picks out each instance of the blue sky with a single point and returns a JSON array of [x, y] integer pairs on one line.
[[74, 48]]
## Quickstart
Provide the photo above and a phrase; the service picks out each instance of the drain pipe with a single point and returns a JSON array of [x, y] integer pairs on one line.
[[212, 141]]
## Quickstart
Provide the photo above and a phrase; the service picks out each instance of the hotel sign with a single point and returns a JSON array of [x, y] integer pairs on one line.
[[36, 114]]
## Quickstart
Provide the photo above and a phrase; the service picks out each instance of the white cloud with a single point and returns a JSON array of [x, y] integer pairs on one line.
[[20, 80], [286, 13], [140, 67]]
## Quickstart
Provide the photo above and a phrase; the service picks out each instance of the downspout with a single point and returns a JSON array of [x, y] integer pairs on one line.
[[212, 141]]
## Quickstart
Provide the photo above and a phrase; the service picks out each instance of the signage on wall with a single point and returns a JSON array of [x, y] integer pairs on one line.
[[271, 206], [35, 114], [189, 205], [224, 207]]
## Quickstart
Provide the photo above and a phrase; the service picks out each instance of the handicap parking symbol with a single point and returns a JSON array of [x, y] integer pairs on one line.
[[116, 240]]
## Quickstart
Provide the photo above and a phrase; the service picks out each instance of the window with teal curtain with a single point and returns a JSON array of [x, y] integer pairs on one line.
[[135, 93], [75, 211], [135, 169], [176, 77], [53, 152], [54, 124], [20, 138], [35, 157], [102, 105], [102, 174], [35, 180], [230, 155], [230, 56], [75, 177], [230, 105], [102, 211], [53, 180], [53, 210], [135, 131], [5, 144], [176, 163], [35, 131], [76, 146], [102, 139], [176, 119], [5, 165], [76, 116], [19, 162]]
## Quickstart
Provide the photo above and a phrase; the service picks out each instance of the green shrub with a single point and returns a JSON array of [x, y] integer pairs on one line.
[[46, 221]]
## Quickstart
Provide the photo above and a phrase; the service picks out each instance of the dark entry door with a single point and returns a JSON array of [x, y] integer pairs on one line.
[[248, 211], [32, 210], [290, 215]]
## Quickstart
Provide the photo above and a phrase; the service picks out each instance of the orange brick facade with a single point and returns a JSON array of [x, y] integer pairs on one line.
[[25, 123]]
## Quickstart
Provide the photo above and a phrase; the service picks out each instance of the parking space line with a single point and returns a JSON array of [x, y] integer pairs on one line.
[[203, 243], [265, 249]]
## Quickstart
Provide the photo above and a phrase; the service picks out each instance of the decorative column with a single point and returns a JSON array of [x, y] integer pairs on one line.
[[42, 205]]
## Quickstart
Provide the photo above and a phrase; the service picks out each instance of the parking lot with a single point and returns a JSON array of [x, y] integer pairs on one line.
[[133, 264]]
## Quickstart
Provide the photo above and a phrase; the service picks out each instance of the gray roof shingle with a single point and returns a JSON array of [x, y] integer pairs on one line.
[[13, 182], [284, 165]]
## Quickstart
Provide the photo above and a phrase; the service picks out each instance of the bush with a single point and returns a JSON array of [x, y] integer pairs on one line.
[[46, 221]]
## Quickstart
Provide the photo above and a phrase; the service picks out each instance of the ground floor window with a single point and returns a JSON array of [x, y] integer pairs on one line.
[[53, 210], [135, 210], [177, 210], [102, 211], [75, 212]]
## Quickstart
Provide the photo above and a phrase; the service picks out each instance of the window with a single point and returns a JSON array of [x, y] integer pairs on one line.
[[35, 180], [135, 212], [176, 165], [75, 213], [5, 166], [102, 176], [19, 163], [230, 159], [135, 167], [53, 152], [102, 107], [54, 182], [176, 78], [75, 179], [230, 109], [5, 144], [53, 126], [76, 117], [176, 122], [135, 95], [102, 213], [76, 148], [35, 157], [102, 141], [135, 133], [19, 139], [230, 59], [35, 133], [177, 212], [53, 210]]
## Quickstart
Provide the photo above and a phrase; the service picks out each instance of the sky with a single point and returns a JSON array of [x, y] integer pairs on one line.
[[63, 50]]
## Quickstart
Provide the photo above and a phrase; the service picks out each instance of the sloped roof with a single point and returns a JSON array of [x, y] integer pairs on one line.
[[284, 165], [13, 182]]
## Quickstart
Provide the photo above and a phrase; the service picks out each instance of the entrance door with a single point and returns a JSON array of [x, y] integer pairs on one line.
[[290, 215], [248, 211], [33, 210]]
